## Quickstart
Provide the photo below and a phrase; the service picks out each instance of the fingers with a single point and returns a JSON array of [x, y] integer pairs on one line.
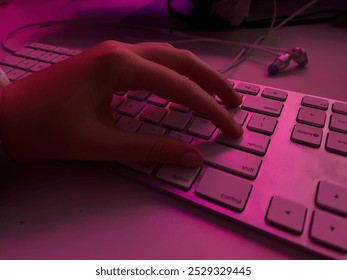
[[156, 78], [108, 143], [187, 64]]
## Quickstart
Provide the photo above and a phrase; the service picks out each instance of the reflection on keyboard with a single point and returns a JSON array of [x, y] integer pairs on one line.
[[286, 176]]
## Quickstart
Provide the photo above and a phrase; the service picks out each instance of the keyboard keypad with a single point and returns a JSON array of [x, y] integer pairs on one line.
[[225, 189], [307, 135], [315, 102], [339, 107], [263, 105], [329, 229], [263, 124], [311, 116], [336, 143], [274, 94], [332, 197], [286, 214], [338, 123]]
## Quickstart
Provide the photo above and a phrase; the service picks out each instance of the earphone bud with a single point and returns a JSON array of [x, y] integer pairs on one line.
[[299, 55]]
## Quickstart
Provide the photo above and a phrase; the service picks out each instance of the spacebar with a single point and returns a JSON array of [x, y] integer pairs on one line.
[[229, 159]]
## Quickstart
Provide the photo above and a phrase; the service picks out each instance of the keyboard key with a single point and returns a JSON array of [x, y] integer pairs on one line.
[[229, 159], [286, 214], [39, 66], [181, 136], [263, 124], [179, 107], [274, 94], [153, 114], [336, 143], [130, 107], [61, 50], [35, 45], [128, 124], [156, 100], [138, 94], [307, 135], [59, 58], [15, 74], [311, 116], [73, 52], [47, 47], [143, 167], [182, 177], [230, 191], [338, 123], [176, 120], [27, 64], [247, 88], [238, 114], [48, 57], [263, 105], [339, 107], [5, 68], [12, 60], [23, 52], [115, 116], [152, 129], [116, 101], [36, 54], [202, 128], [315, 102], [249, 141], [332, 197], [329, 229]]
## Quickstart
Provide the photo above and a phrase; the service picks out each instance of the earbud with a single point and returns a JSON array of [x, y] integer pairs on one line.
[[281, 62], [299, 55]]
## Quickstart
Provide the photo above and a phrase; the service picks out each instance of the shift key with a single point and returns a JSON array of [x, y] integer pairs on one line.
[[224, 189]]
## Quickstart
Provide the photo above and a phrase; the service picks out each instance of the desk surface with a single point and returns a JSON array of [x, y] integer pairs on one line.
[[57, 210]]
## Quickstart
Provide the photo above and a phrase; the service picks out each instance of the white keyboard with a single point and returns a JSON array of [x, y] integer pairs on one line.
[[287, 175]]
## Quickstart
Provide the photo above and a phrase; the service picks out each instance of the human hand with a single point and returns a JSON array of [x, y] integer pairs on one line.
[[63, 112]]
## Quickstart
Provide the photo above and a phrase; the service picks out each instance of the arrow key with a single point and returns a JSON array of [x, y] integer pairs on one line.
[[286, 214], [329, 229]]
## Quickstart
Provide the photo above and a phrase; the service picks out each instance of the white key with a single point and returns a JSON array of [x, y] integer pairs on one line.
[[337, 143], [224, 189], [35, 45], [274, 94], [47, 47], [262, 123], [307, 135], [39, 66], [23, 52], [138, 94], [128, 124], [153, 114], [12, 60], [247, 88], [179, 176], [201, 127], [181, 136], [5, 68], [311, 116], [338, 123], [156, 100], [48, 57], [229, 159], [60, 58], [263, 105], [238, 114], [339, 107], [176, 120], [152, 129], [36, 54], [15, 74], [179, 107], [73, 52], [145, 168], [332, 197], [286, 214], [315, 102], [116, 101], [27, 64], [249, 141], [329, 229], [130, 107], [61, 50]]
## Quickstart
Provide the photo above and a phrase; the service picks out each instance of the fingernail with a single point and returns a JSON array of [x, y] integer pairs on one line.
[[191, 160]]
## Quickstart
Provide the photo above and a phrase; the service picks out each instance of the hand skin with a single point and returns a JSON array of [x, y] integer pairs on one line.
[[63, 112]]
